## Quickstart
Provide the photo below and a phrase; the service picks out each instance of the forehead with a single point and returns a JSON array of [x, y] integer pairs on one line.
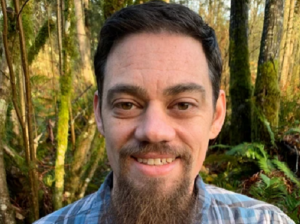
[[161, 58]]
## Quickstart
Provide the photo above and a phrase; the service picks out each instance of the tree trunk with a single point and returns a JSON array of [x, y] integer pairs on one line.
[[240, 77], [80, 158], [98, 154], [6, 211], [296, 70], [63, 114], [287, 46], [86, 68], [267, 93]]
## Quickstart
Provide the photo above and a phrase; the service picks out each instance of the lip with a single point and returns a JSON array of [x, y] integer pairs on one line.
[[154, 171], [153, 156]]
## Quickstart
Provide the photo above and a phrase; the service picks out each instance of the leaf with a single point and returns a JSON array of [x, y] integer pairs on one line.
[[286, 170], [240, 149], [265, 179], [264, 164], [271, 133]]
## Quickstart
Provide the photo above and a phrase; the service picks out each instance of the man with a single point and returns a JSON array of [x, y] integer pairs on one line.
[[158, 104]]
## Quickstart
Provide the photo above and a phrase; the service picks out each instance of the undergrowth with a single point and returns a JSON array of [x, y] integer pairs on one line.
[[248, 169]]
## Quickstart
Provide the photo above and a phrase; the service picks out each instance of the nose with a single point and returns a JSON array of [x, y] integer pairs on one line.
[[155, 125]]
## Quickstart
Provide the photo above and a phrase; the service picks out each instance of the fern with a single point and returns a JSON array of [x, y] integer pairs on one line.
[[265, 179], [271, 133], [286, 170], [265, 165]]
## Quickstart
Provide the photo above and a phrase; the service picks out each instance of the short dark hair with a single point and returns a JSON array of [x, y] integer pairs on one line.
[[155, 17]]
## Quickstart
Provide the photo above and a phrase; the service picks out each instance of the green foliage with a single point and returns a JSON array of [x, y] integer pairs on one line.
[[275, 183], [286, 170]]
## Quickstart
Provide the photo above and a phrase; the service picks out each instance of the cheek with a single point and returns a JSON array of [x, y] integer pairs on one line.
[[197, 138]]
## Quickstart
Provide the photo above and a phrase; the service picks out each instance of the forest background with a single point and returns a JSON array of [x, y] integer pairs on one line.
[[50, 151]]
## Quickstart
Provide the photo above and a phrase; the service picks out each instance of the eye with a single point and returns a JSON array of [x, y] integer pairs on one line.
[[124, 105], [183, 106]]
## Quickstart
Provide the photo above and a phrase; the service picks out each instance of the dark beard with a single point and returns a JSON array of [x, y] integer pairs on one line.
[[147, 203]]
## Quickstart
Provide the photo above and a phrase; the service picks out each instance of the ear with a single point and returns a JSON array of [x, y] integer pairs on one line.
[[97, 113], [219, 116]]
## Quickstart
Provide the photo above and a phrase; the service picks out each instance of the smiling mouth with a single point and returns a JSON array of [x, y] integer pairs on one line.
[[155, 161]]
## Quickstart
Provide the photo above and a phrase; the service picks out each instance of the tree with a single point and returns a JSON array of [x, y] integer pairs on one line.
[[84, 49], [6, 211], [65, 96], [287, 42], [240, 77], [267, 93]]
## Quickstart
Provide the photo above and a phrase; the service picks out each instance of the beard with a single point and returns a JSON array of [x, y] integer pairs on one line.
[[146, 202]]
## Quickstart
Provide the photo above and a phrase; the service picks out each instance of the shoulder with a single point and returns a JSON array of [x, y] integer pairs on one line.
[[77, 212], [238, 208]]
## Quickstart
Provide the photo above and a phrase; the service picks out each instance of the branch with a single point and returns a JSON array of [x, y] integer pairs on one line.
[[77, 98], [9, 64], [22, 9]]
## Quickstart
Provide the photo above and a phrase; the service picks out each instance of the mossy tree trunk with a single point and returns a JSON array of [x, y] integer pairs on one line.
[[267, 93], [240, 77], [63, 114], [6, 211], [26, 134]]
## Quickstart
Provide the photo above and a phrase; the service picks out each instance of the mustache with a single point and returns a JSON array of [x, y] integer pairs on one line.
[[159, 148]]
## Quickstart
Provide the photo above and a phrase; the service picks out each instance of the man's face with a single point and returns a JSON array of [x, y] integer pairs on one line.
[[157, 92]]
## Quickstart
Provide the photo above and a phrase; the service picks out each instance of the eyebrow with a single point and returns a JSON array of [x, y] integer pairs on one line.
[[186, 87], [142, 93], [127, 89]]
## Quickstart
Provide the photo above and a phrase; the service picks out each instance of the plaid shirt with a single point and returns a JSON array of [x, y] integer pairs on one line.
[[218, 206]]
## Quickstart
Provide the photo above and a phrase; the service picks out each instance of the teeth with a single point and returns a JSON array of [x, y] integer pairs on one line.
[[150, 162], [156, 161], [169, 160]]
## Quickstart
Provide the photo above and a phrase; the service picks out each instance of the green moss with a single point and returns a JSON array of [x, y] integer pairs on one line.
[[63, 115], [267, 100], [27, 20], [240, 81], [40, 39]]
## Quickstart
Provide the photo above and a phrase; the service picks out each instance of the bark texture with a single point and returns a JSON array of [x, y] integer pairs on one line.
[[86, 68], [240, 77], [287, 41], [267, 93]]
